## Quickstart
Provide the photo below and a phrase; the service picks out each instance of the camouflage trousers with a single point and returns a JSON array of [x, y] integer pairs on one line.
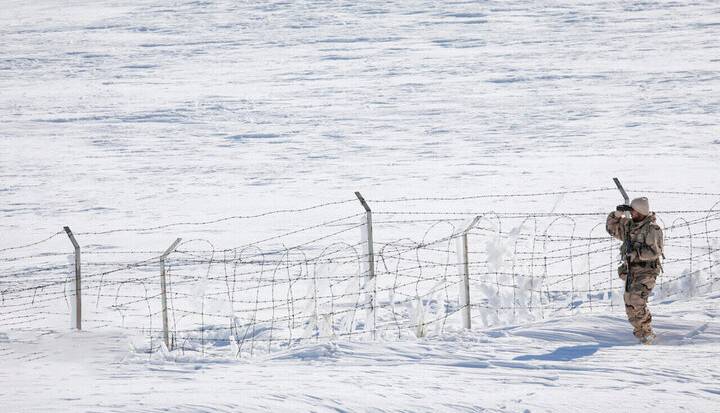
[[636, 299]]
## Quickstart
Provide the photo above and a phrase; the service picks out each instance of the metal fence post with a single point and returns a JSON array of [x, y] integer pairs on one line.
[[78, 291], [465, 292], [628, 216], [371, 260], [163, 291]]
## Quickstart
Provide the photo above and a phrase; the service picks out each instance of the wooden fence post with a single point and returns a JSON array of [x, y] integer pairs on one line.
[[163, 291], [77, 317]]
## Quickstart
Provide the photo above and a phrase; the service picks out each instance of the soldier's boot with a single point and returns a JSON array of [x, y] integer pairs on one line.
[[648, 339], [644, 331]]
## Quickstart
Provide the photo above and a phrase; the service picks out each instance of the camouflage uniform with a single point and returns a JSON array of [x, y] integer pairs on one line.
[[646, 243]]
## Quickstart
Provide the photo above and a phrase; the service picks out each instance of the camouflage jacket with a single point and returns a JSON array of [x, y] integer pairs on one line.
[[646, 238]]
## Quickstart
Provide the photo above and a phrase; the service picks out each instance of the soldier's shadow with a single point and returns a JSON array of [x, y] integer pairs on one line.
[[564, 353]]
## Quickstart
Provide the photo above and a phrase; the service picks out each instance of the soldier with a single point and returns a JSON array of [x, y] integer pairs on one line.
[[644, 238]]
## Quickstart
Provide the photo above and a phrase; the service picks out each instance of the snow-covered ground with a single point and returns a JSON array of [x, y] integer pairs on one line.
[[139, 112], [123, 115], [589, 363]]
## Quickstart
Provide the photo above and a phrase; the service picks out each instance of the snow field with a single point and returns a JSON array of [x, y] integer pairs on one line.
[[121, 118]]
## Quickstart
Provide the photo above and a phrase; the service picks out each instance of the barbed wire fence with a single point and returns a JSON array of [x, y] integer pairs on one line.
[[333, 281]]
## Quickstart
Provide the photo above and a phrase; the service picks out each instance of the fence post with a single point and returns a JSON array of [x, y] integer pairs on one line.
[[628, 216], [371, 282], [163, 292], [465, 292], [77, 317]]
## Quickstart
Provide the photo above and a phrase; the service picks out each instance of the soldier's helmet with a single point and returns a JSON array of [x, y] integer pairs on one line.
[[641, 205]]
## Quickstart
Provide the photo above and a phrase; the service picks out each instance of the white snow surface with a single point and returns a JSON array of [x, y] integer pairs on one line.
[[585, 362], [132, 114]]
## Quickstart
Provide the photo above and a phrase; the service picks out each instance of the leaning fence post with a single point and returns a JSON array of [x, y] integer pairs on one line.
[[626, 198], [371, 282], [465, 293], [77, 317], [163, 291]]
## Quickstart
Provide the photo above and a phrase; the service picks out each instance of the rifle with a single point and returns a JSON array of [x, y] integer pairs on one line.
[[627, 244]]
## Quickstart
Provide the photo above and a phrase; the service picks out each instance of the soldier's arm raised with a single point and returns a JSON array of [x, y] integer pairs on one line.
[[615, 226]]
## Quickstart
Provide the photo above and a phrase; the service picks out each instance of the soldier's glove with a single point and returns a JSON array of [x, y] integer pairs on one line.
[[623, 208]]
